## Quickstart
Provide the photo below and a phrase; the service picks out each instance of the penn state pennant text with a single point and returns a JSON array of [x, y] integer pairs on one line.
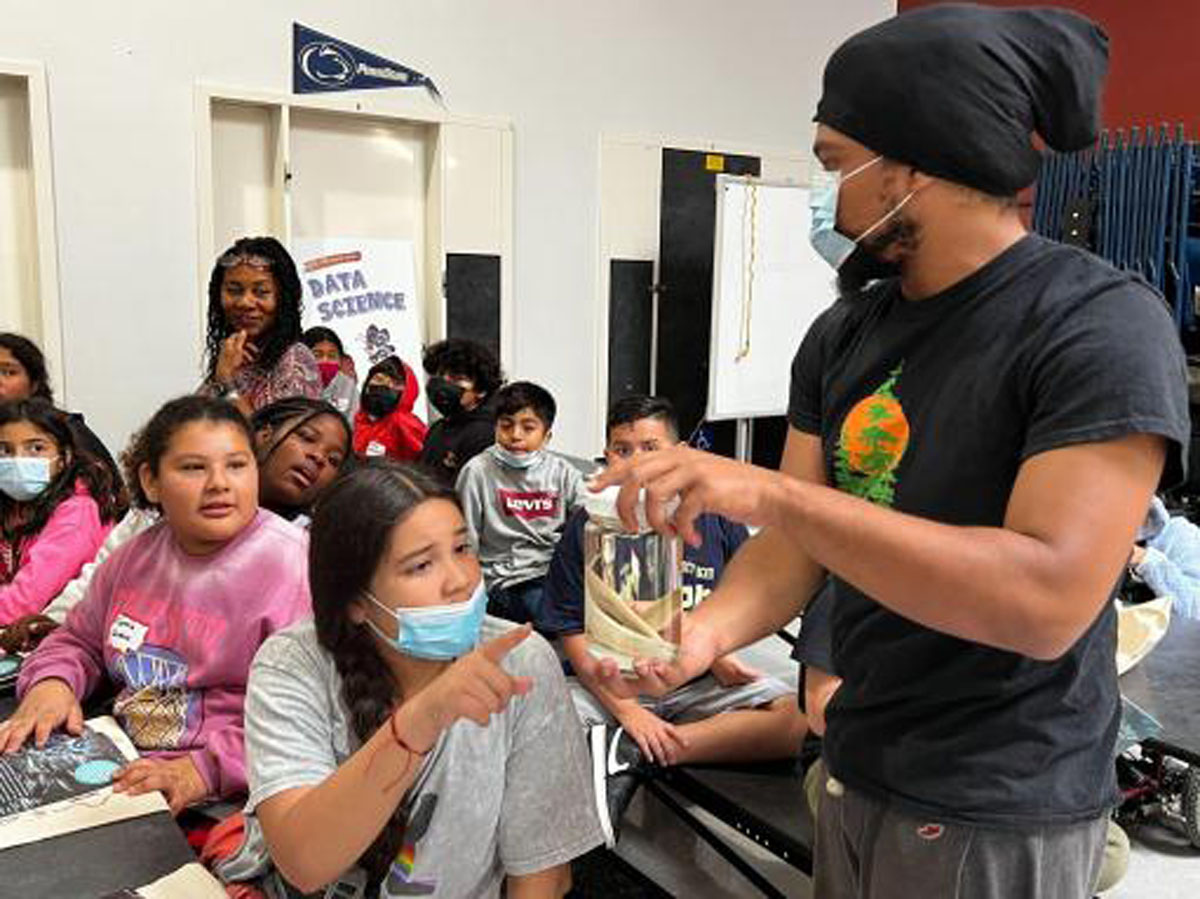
[[321, 63]]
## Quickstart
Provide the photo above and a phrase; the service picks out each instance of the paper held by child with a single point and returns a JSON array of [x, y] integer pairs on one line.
[[66, 786], [1139, 628]]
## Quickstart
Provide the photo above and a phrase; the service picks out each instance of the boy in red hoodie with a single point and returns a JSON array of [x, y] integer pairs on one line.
[[385, 424]]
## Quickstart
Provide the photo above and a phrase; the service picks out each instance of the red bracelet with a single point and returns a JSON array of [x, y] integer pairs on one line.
[[400, 740]]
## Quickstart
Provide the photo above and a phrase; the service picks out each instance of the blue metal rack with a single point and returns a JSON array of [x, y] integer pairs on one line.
[[1131, 199]]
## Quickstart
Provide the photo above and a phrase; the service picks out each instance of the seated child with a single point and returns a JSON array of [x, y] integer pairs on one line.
[[730, 714], [1167, 559], [401, 740], [175, 615], [516, 496], [300, 445], [463, 379], [385, 424], [23, 376], [56, 506], [339, 386]]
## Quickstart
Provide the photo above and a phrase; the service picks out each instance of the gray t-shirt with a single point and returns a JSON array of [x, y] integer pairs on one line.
[[342, 394], [516, 515], [511, 798]]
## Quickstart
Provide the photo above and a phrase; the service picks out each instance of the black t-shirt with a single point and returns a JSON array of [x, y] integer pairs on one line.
[[452, 442], [930, 407], [814, 643]]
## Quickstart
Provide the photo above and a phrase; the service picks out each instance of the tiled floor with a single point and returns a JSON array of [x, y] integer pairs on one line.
[[1162, 865]]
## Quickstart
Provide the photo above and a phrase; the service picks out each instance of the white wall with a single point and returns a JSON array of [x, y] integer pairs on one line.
[[121, 80]]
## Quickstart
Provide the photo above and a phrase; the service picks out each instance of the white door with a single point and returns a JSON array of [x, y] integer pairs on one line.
[[20, 308]]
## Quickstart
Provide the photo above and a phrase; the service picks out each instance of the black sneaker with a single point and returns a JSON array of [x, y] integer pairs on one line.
[[617, 766]]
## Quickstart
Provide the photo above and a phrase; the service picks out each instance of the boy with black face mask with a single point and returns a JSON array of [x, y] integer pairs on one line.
[[385, 424], [463, 377]]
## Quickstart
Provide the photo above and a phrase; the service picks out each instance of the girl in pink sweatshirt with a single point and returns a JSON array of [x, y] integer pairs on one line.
[[175, 615], [57, 504]]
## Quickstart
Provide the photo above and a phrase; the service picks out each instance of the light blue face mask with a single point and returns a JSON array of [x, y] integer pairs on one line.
[[440, 633], [510, 459], [24, 477], [830, 244]]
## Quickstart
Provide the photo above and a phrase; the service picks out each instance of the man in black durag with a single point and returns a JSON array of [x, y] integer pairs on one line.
[[974, 442]]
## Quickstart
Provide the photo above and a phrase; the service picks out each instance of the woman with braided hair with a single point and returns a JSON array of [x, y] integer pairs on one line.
[[254, 351]]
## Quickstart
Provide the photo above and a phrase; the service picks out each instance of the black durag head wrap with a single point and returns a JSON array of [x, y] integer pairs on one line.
[[957, 90]]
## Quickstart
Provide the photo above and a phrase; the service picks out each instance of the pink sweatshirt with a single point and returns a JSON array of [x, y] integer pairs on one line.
[[49, 561], [177, 633]]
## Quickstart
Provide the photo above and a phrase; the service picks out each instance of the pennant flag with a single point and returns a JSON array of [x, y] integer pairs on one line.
[[322, 63]]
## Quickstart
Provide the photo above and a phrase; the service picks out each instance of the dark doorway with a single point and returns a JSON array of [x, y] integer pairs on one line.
[[685, 250], [473, 298], [630, 326]]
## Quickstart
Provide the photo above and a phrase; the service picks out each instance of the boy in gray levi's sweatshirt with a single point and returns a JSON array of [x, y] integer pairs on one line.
[[516, 499]]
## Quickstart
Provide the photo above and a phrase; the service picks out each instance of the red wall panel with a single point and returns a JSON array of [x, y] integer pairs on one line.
[[1154, 56]]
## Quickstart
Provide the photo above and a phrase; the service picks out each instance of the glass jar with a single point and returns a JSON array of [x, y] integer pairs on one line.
[[632, 596]]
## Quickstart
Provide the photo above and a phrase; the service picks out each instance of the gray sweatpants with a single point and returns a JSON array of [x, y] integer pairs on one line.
[[869, 849]]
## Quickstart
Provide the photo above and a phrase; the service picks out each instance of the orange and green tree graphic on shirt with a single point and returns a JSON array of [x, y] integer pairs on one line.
[[872, 442]]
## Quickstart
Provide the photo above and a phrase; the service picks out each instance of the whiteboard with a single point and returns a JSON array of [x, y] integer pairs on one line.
[[769, 285]]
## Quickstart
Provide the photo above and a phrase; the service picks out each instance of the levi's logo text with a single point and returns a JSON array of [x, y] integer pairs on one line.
[[528, 504]]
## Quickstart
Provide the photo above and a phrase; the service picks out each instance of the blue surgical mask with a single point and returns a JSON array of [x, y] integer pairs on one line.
[[440, 633], [509, 459], [24, 477], [830, 244]]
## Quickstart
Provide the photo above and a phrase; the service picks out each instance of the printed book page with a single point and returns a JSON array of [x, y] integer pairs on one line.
[[67, 785]]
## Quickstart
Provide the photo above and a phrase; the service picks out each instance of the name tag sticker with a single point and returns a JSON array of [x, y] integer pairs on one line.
[[126, 635]]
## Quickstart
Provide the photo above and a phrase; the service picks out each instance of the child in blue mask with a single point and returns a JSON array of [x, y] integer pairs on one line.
[[56, 506], [431, 746], [517, 497]]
